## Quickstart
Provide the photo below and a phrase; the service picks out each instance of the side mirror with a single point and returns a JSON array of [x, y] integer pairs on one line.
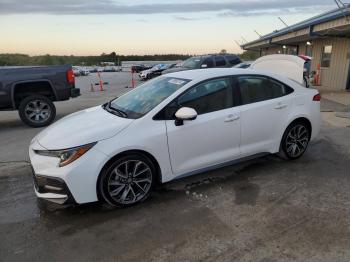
[[204, 66], [185, 113]]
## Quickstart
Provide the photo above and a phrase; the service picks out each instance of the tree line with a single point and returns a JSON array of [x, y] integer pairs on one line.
[[26, 60]]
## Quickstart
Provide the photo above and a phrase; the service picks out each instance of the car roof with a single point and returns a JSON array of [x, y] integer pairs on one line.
[[210, 55], [202, 74], [198, 75]]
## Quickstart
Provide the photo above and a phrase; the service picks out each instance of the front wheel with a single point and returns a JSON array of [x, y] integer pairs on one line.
[[295, 140], [127, 181], [37, 111]]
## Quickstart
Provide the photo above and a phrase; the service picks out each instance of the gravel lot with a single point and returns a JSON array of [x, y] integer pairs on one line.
[[262, 210]]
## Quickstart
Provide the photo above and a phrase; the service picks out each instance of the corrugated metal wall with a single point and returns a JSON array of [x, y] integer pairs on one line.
[[335, 76]]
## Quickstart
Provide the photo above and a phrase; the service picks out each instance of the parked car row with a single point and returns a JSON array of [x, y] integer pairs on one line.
[[155, 71], [84, 71], [196, 62], [141, 67], [206, 61], [80, 71]]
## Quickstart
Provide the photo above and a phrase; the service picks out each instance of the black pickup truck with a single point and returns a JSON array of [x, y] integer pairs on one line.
[[32, 91]]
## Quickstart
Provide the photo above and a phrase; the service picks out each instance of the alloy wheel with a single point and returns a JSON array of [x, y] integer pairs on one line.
[[130, 181], [297, 141], [37, 111]]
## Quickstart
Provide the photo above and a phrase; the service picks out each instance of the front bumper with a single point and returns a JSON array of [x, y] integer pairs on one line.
[[52, 189], [75, 182]]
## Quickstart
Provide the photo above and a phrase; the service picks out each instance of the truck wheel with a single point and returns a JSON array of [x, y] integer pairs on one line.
[[37, 111]]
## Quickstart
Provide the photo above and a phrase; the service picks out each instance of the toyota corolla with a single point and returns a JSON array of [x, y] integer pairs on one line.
[[176, 125]]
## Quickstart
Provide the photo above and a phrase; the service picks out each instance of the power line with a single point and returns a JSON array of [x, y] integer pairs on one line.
[[342, 6], [258, 33], [283, 22]]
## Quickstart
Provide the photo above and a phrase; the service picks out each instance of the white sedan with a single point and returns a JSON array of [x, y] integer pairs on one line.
[[176, 125]]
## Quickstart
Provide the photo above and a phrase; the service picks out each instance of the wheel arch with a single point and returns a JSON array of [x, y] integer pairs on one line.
[[125, 153], [301, 119], [45, 85], [297, 119]]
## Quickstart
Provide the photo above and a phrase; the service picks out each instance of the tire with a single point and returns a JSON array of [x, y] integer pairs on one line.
[[37, 111], [120, 188], [295, 140]]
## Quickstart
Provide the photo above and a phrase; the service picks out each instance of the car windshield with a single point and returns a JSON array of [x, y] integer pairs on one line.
[[192, 63], [144, 98], [156, 67]]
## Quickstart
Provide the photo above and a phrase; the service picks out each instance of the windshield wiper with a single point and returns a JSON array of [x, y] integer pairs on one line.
[[120, 112]]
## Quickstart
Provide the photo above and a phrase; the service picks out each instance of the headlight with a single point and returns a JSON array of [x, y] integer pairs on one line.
[[66, 156]]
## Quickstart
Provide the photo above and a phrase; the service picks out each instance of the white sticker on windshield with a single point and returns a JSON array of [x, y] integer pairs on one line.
[[176, 81]]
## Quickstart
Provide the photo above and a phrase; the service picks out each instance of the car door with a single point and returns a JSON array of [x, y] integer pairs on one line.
[[220, 61], [214, 136], [265, 105], [208, 62]]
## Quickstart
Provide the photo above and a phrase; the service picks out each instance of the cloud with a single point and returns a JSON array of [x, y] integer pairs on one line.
[[81, 7], [277, 12], [183, 18]]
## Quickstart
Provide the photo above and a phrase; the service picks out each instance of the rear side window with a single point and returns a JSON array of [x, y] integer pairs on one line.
[[220, 61], [233, 60], [209, 62], [256, 88]]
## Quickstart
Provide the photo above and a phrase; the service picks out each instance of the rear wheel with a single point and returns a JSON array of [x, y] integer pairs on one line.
[[127, 181], [37, 111], [295, 140]]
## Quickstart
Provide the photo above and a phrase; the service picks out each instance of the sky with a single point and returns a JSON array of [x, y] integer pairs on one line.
[[87, 27]]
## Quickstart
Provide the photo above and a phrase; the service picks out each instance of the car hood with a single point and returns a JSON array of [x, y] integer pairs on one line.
[[175, 69], [81, 128]]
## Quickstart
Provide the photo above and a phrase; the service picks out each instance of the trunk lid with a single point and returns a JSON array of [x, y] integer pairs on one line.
[[286, 65]]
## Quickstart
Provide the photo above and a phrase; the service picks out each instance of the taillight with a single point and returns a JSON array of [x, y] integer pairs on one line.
[[70, 77], [317, 97]]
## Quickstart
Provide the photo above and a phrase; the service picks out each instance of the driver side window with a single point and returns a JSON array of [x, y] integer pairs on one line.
[[209, 62], [210, 96]]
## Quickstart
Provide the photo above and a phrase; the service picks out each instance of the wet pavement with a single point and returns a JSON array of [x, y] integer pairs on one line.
[[266, 209]]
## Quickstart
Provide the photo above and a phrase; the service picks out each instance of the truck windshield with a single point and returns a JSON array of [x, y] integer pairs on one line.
[[144, 98]]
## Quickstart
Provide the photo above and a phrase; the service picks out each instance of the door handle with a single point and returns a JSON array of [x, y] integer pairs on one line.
[[231, 118], [280, 106]]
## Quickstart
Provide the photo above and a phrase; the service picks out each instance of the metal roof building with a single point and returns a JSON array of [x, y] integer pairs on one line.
[[325, 37]]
